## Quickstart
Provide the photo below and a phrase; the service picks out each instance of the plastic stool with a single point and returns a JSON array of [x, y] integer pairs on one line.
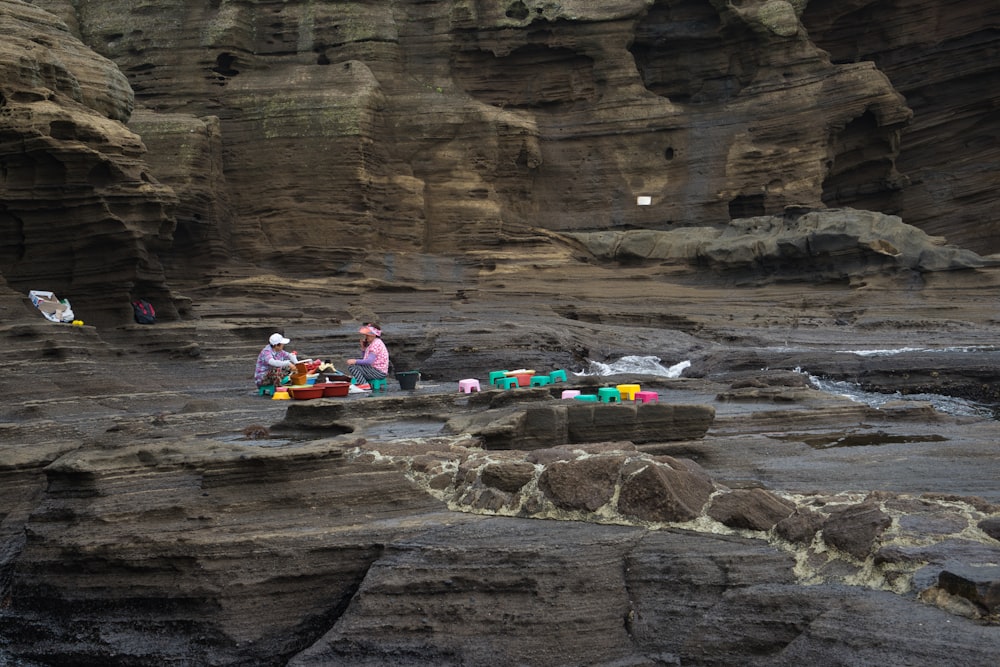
[[540, 380], [507, 383], [468, 385], [609, 395], [378, 384], [570, 393], [586, 397], [265, 390], [628, 391], [558, 376], [647, 396], [496, 376]]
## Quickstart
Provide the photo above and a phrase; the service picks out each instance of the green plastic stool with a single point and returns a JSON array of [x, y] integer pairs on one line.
[[507, 383], [540, 380], [265, 390], [496, 376], [609, 395], [586, 397], [557, 376], [378, 384]]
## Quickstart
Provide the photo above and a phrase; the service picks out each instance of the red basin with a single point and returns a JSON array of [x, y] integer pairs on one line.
[[524, 379], [334, 388], [304, 393]]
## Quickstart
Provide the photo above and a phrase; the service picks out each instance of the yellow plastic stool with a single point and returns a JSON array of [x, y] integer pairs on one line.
[[628, 391]]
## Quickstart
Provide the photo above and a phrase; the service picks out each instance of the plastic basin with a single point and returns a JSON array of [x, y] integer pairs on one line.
[[304, 393], [335, 388]]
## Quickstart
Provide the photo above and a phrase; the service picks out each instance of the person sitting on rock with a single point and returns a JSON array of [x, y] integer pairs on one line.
[[274, 362], [375, 364]]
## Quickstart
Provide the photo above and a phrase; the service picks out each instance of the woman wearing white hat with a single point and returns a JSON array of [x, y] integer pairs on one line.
[[274, 362]]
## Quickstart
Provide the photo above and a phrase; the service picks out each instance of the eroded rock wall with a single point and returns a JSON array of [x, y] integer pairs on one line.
[[354, 132], [943, 58], [80, 212]]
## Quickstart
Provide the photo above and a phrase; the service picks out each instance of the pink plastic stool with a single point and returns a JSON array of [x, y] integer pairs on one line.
[[468, 385], [647, 396], [570, 393]]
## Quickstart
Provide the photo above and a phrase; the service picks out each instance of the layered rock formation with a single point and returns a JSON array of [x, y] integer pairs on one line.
[[468, 173], [80, 212], [949, 153], [347, 134], [355, 532]]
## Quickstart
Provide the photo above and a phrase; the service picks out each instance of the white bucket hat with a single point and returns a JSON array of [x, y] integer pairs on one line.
[[278, 339]]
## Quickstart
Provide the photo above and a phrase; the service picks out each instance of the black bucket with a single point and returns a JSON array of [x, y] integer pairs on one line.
[[408, 379]]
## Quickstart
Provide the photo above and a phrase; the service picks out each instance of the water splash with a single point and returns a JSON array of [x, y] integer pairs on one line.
[[635, 365], [947, 404], [888, 352]]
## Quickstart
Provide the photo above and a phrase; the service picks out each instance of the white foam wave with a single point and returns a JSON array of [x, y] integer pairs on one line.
[[904, 350], [635, 365], [947, 404]]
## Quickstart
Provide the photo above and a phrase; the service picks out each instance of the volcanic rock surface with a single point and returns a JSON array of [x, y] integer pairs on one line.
[[156, 509], [344, 137], [822, 215]]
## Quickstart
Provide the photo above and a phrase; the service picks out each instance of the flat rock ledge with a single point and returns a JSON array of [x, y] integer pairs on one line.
[[385, 536], [525, 420], [880, 540], [528, 455]]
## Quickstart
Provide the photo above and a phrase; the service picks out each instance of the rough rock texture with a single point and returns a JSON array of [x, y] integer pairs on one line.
[[942, 58], [81, 214], [467, 174], [215, 526], [348, 136], [812, 246]]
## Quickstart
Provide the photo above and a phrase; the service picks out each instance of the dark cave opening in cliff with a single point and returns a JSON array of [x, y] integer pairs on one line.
[[12, 240], [861, 172], [747, 206], [680, 53], [224, 65], [517, 10]]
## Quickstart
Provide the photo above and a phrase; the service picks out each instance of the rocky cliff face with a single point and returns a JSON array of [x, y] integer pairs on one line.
[[357, 130], [469, 173], [80, 210]]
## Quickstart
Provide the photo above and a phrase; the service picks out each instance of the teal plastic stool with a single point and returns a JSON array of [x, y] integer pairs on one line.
[[540, 380], [496, 376], [507, 383], [586, 397], [557, 376], [609, 395], [265, 390], [379, 384]]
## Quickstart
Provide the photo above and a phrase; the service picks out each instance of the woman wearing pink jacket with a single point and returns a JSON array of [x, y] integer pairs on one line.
[[375, 364]]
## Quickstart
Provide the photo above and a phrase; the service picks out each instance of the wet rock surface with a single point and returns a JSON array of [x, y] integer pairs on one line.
[[215, 525], [391, 162]]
